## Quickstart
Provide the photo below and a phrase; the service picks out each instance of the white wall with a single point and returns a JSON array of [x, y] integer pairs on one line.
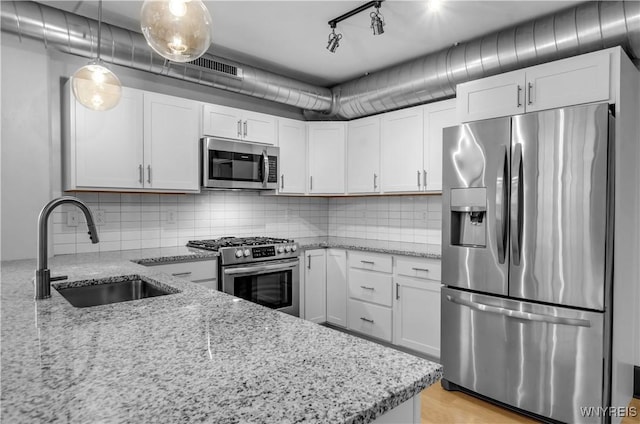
[[26, 144]]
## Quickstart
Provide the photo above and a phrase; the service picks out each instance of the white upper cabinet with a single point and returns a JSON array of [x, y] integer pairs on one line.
[[401, 150], [437, 116], [228, 122], [104, 148], [148, 142], [572, 81], [326, 141], [292, 140], [363, 155], [171, 142]]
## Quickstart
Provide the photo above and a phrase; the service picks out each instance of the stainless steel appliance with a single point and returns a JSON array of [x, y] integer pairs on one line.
[[230, 164], [263, 270], [526, 255]]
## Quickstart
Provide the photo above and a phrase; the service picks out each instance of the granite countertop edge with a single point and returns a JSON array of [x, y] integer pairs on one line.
[[347, 246]]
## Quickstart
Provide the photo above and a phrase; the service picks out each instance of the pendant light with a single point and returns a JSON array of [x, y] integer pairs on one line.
[[95, 86], [178, 30]]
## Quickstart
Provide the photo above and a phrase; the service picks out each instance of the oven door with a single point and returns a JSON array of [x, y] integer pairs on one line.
[[235, 164], [274, 284]]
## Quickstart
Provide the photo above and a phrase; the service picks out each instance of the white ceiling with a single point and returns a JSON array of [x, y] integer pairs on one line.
[[290, 37]]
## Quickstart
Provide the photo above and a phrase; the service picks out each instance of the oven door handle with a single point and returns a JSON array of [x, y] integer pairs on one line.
[[254, 270]]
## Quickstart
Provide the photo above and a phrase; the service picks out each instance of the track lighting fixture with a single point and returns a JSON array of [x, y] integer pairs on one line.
[[94, 85], [334, 40], [377, 23]]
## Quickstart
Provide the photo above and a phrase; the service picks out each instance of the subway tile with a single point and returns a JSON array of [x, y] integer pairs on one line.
[[64, 249], [130, 217], [131, 244], [129, 198], [149, 243], [109, 197], [109, 246], [168, 199]]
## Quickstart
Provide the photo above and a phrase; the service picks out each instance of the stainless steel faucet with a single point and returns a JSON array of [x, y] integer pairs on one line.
[[43, 276]]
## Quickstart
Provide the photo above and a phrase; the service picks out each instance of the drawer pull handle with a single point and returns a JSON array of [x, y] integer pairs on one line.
[[367, 288], [420, 269], [181, 274], [368, 262], [366, 319]]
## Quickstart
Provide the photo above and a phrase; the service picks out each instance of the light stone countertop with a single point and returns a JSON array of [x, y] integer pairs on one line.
[[422, 250], [192, 356]]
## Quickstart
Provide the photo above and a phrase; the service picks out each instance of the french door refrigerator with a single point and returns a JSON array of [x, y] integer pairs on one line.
[[526, 260]]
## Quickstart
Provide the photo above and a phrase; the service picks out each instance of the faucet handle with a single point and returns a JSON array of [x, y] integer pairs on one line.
[[58, 278]]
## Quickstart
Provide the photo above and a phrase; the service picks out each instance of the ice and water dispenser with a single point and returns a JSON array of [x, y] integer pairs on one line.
[[469, 217]]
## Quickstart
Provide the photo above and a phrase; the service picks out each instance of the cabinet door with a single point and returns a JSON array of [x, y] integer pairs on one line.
[[259, 127], [315, 290], [491, 97], [417, 315], [292, 140], [572, 81], [326, 157], [401, 152], [363, 156], [171, 142], [437, 116], [221, 121], [109, 143], [337, 287]]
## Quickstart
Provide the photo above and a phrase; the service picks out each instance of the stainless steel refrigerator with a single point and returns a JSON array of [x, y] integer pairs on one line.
[[527, 260]]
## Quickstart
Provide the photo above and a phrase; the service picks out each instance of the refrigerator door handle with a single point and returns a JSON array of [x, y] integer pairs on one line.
[[501, 204], [528, 316], [517, 196]]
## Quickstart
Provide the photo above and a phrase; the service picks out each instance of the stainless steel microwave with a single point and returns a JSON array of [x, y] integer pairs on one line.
[[230, 164]]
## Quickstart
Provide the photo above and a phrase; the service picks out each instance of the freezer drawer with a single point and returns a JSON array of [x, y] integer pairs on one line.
[[543, 359]]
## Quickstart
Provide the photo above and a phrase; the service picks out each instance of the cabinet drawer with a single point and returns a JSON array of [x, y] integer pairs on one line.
[[370, 261], [418, 267], [369, 319], [370, 286], [193, 271]]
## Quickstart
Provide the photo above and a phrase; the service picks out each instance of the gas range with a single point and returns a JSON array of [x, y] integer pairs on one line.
[[242, 250]]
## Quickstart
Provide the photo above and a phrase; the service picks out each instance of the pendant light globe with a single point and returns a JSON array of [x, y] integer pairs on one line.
[[96, 87], [178, 30]]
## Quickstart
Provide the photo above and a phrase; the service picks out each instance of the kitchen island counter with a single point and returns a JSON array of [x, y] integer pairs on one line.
[[192, 356]]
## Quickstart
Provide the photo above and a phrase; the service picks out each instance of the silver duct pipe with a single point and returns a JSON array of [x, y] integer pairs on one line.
[[587, 27], [74, 34]]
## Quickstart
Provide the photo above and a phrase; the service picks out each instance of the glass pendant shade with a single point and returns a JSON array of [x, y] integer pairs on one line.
[[96, 87], [178, 30]]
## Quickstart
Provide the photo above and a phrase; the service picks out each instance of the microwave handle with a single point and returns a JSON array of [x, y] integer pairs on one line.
[[265, 161]]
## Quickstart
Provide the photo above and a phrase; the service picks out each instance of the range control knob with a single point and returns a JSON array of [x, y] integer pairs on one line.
[[280, 249], [246, 252], [287, 249], [294, 248], [238, 253]]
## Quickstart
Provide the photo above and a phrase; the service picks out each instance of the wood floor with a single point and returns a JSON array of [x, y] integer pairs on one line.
[[440, 407]]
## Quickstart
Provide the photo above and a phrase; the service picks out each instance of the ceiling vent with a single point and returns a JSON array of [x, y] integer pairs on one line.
[[216, 66]]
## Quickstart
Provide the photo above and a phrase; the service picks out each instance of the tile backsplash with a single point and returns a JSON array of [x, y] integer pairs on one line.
[[134, 221]]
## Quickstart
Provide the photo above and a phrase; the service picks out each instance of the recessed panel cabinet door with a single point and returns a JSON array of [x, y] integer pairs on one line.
[[109, 143], [221, 121], [401, 152], [171, 142], [326, 157], [363, 156], [315, 286], [292, 140], [259, 127], [337, 287], [491, 97], [437, 116]]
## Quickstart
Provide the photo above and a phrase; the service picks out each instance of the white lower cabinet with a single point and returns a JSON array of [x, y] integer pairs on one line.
[[203, 272], [372, 320], [315, 286], [416, 315], [337, 287]]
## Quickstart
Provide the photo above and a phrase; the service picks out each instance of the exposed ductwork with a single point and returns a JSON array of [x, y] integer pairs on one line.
[[587, 27], [77, 35]]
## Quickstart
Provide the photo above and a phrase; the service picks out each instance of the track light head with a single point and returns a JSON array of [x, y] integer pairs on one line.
[[377, 21], [334, 41]]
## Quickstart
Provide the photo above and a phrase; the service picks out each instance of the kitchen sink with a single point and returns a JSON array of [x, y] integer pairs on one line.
[[122, 288]]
